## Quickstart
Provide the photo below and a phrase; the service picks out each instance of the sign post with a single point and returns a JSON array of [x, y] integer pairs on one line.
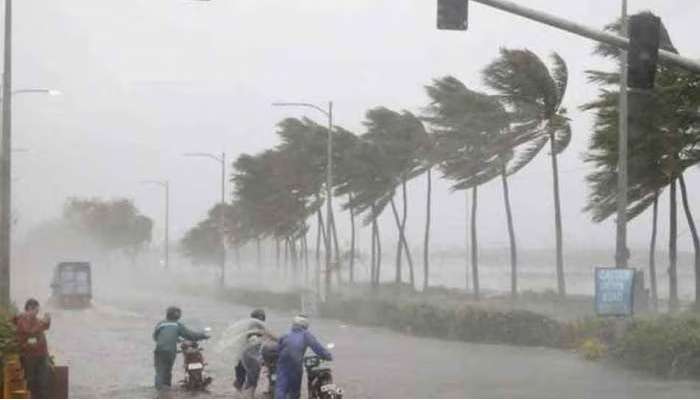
[[614, 292]]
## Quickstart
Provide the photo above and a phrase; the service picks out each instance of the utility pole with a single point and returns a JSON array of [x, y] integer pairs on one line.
[[621, 252], [6, 163], [222, 216], [222, 219], [329, 186]]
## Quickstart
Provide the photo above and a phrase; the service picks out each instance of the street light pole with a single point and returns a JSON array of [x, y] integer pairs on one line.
[[621, 252], [222, 215], [329, 185], [6, 163], [222, 219], [165, 185]]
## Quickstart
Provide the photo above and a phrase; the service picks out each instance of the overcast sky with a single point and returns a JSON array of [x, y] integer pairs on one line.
[[145, 80]]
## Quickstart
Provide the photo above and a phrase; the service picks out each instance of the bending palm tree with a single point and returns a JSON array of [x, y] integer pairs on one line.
[[536, 93]]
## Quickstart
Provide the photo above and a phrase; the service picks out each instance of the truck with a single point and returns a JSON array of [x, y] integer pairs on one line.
[[71, 286]]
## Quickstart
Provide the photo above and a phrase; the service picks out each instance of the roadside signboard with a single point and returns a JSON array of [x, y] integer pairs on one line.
[[614, 288]]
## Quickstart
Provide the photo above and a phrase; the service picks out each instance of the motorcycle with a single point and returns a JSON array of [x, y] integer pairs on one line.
[[195, 377], [270, 355], [320, 378]]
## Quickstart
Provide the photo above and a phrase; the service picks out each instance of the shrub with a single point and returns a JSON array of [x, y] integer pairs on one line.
[[593, 349], [286, 301], [8, 337], [666, 345]]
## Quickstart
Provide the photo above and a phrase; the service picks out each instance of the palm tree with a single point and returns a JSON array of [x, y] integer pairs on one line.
[[344, 143], [467, 125], [404, 139], [663, 144], [368, 176], [536, 92]]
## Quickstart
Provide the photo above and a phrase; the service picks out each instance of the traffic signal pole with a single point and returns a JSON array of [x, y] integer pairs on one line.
[[582, 30], [638, 78]]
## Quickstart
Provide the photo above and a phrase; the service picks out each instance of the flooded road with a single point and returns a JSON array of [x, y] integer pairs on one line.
[[109, 351]]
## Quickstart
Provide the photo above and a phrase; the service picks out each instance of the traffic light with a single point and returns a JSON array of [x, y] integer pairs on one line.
[[452, 15], [644, 33]]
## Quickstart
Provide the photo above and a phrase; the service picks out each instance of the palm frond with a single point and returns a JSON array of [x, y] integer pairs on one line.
[[560, 74], [531, 151]]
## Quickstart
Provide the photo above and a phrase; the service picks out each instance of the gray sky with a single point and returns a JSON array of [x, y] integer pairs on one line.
[[146, 80]]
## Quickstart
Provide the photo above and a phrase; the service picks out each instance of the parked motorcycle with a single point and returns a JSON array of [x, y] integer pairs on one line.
[[320, 378], [195, 377]]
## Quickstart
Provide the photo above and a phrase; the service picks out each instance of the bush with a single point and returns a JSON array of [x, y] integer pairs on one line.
[[285, 301], [593, 349], [466, 323], [666, 345], [8, 337]]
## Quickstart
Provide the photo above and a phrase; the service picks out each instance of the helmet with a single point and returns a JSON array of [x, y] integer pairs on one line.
[[173, 313], [301, 320], [258, 314]]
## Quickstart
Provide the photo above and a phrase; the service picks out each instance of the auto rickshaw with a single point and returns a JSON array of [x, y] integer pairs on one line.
[[71, 286]]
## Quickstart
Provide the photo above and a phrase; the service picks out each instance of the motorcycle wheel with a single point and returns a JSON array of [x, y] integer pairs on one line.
[[194, 380], [326, 395]]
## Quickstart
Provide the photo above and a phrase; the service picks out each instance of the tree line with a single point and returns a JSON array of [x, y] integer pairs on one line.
[[470, 137]]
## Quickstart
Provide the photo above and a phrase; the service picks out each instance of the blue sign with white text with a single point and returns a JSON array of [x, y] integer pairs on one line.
[[613, 291]]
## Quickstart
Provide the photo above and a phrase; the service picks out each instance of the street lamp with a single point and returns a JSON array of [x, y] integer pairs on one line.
[[165, 185], [329, 183], [222, 215], [50, 92], [6, 166], [6, 158]]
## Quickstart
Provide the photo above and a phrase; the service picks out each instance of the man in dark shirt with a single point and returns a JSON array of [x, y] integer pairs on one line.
[[166, 334]]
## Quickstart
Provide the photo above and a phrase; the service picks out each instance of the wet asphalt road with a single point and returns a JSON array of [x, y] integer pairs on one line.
[[109, 351]]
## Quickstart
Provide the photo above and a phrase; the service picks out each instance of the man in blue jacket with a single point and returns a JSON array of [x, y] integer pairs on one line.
[[165, 335], [292, 347]]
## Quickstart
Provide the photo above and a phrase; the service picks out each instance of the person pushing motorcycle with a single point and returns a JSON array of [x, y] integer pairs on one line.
[[250, 335], [166, 335], [292, 347]]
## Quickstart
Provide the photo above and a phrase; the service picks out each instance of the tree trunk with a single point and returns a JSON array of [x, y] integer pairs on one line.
[[652, 254], [277, 252], [352, 243], [467, 238], [320, 233], [337, 264], [379, 254], [696, 241], [305, 245], [293, 256], [672, 251], [561, 284], [286, 257], [475, 245], [511, 237], [373, 268], [399, 246], [411, 271], [402, 238], [426, 239]]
